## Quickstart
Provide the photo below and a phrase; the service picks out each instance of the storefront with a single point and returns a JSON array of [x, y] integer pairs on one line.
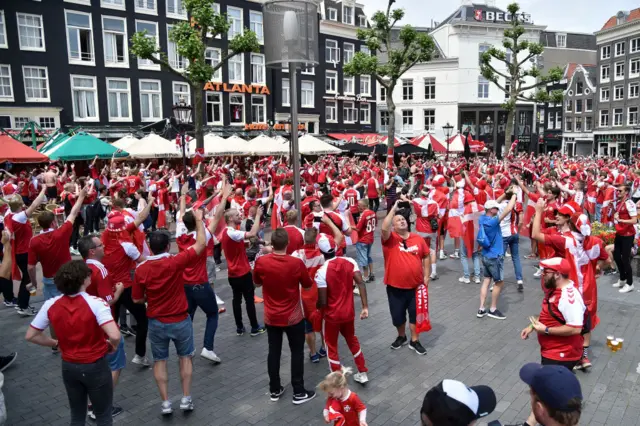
[[578, 145], [614, 145], [551, 141]]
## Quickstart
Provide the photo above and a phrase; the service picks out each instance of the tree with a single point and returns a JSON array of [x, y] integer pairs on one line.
[[411, 48], [191, 39], [518, 89]]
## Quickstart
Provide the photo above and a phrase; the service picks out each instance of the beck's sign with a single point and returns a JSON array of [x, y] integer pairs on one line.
[[492, 16]]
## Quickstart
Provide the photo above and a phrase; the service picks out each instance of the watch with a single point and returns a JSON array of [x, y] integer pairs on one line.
[[546, 331]]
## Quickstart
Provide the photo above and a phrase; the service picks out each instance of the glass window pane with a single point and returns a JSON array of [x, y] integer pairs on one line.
[[78, 20]]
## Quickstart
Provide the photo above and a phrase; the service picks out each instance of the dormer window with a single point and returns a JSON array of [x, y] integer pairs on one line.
[[561, 40]]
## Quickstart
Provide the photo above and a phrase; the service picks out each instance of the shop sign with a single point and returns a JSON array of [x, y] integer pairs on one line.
[[491, 16], [277, 126], [211, 86], [356, 98]]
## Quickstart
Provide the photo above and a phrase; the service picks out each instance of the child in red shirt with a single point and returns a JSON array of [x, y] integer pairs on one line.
[[343, 407]]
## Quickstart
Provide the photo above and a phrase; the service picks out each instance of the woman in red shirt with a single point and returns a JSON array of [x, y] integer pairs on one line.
[[86, 334]]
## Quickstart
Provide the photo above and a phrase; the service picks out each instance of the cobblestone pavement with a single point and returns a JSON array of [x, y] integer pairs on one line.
[[460, 346]]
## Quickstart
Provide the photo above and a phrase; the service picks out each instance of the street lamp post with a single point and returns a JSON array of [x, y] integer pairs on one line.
[[182, 113], [448, 129]]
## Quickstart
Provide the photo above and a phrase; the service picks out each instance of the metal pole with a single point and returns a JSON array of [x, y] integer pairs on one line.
[[294, 138], [184, 154]]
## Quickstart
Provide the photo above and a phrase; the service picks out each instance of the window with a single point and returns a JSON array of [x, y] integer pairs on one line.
[[212, 56], [589, 105], [578, 127], [6, 84], [152, 32], [365, 85], [349, 112], [383, 93], [579, 88], [286, 93], [605, 52], [407, 90], [604, 94], [176, 9], [36, 84], [113, 4], [236, 108], [617, 117], [306, 100], [365, 113], [558, 120], [605, 72], [430, 88], [588, 124], [430, 119], [384, 121], [256, 24], [119, 99], [258, 109], [79, 38], [561, 40], [362, 21], [3, 31], [347, 15], [307, 69], [604, 118], [150, 100], [176, 60], [620, 48], [634, 67], [349, 50], [618, 93], [568, 105], [619, 70], [635, 45], [481, 49], [47, 122], [332, 14], [632, 116], [216, 10], [568, 124], [257, 69], [84, 92], [236, 68], [214, 108], [331, 81], [578, 106], [146, 6], [114, 38], [30, 32], [181, 91], [348, 86], [634, 90], [550, 122], [483, 88], [20, 122], [331, 111], [235, 19], [407, 120], [332, 52]]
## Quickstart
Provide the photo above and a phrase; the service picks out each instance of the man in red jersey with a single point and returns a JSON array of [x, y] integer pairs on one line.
[[625, 217], [17, 223], [335, 297], [296, 235], [366, 228], [133, 183], [406, 266], [427, 215], [374, 192], [352, 196], [283, 313], [159, 281]]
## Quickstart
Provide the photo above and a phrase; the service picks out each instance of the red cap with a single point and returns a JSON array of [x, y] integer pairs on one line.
[[116, 222], [557, 264], [570, 208]]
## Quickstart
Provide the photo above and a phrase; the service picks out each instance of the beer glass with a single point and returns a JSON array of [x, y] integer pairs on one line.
[[620, 343], [615, 346], [609, 340]]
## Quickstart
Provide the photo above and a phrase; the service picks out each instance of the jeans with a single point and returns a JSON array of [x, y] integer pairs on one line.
[[374, 204], [243, 287], [622, 246], [363, 254], [23, 294], [6, 286], [465, 264], [154, 217], [494, 268], [75, 234], [295, 336], [217, 253], [139, 312], [202, 295], [514, 246], [598, 212], [163, 333], [93, 381], [49, 289]]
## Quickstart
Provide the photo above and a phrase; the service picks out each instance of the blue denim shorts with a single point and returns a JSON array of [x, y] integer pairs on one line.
[[161, 334], [308, 327], [363, 254], [494, 268], [49, 290], [118, 359]]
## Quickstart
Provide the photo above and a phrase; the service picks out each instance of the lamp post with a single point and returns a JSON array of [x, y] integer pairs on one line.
[[448, 129], [182, 113]]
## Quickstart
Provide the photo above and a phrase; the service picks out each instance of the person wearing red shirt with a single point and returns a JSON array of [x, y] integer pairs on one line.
[[373, 193], [232, 241], [159, 281], [335, 297], [283, 313], [352, 196], [133, 183], [624, 218], [305, 206], [296, 235], [343, 406], [366, 228], [407, 265], [87, 333]]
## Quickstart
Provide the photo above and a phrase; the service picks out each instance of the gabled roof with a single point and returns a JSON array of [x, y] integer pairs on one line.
[[589, 72], [612, 22], [573, 40]]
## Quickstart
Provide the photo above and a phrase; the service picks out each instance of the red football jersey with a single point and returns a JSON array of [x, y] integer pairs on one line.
[[336, 275]]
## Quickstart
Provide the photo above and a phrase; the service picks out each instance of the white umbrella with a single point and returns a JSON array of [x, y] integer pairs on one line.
[[236, 145], [154, 146], [214, 145], [125, 142], [264, 145], [456, 143], [310, 145]]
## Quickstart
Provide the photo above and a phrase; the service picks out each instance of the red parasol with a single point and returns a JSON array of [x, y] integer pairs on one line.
[[17, 152]]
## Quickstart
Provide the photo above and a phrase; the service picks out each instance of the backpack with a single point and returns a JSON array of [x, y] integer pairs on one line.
[[483, 240]]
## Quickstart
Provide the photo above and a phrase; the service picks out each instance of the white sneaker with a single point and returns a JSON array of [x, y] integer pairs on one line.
[[507, 254], [443, 256], [74, 252], [218, 300], [455, 255], [538, 273], [186, 403], [464, 280], [141, 360], [356, 291], [210, 355], [361, 378], [166, 408], [476, 279], [627, 288], [618, 284]]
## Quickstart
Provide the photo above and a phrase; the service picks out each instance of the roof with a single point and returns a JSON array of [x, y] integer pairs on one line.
[[633, 15], [466, 13], [593, 73], [571, 69], [574, 40]]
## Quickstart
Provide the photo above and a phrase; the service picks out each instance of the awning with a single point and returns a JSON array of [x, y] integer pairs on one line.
[[427, 139], [80, 146], [125, 142], [310, 145], [154, 146], [264, 145], [16, 152]]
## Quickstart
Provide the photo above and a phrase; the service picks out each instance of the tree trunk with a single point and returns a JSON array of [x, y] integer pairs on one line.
[[508, 132], [391, 129], [198, 114]]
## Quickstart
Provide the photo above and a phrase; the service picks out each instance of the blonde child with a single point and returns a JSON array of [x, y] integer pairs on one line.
[[343, 406]]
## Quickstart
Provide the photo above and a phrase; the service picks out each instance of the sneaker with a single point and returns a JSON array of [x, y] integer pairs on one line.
[[531, 256], [371, 279], [434, 277], [301, 398], [275, 396], [11, 303], [497, 315], [476, 279], [443, 256], [315, 358], [585, 363], [186, 403], [218, 269], [240, 331], [26, 312], [218, 300], [417, 346], [481, 313], [115, 410], [356, 291], [618, 284], [222, 310], [610, 271], [32, 310], [322, 352], [257, 331], [90, 412], [74, 251], [166, 408], [507, 254], [257, 299], [464, 280], [626, 289], [399, 342], [210, 355], [455, 255], [361, 378], [6, 361], [141, 360], [520, 286], [538, 273], [126, 330]]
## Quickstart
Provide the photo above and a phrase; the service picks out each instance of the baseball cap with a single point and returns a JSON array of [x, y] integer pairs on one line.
[[454, 403], [491, 204], [553, 384], [557, 264]]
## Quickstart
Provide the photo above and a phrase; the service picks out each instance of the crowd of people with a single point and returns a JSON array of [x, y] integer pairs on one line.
[[119, 220]]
